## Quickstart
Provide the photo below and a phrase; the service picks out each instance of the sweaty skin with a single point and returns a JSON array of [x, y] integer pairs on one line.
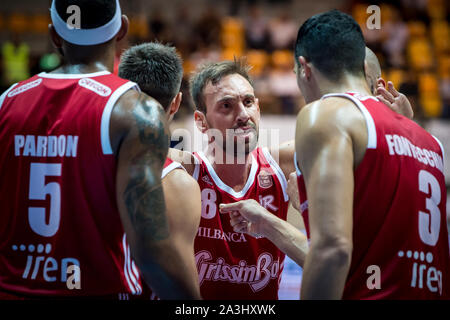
[[332, 137], [181, 191], [139, 139], [270, 226]]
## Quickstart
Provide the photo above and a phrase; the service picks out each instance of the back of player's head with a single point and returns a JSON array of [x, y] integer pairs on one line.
[[214, 72], [156, 68], [373, 64], [94, 13], [333, 42], [86, 22]]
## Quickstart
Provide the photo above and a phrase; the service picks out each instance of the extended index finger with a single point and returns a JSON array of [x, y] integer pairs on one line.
[[229, 207]]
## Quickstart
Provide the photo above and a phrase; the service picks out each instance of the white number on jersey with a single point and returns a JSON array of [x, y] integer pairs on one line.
[[429, 223], [209, 206], [38, 191]]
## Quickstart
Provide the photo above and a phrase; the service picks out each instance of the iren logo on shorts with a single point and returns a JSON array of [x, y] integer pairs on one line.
[[257, 276]]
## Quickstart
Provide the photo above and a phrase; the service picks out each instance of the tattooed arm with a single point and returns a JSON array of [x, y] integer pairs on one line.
[[140, 140]]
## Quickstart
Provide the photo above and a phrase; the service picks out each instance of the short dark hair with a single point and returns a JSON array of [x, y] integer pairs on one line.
[[94, 13], [156, 68], [214, 72], [333, 42]]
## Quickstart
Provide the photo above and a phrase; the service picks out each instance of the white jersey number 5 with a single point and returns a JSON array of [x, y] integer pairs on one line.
[[38, 191]]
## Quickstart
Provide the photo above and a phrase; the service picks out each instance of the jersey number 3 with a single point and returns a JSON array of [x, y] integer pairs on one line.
[[39, 191], [430, 223]]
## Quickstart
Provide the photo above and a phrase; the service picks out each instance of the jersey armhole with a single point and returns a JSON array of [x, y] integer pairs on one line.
[[3, 96], [279, 173], [297, 169], [173, 166], [106, 116], [196, 172], [441, 146], [371, 130]]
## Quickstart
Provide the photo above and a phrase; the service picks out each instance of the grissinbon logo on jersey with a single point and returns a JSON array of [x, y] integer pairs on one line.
[[45, 146], [256, 276]]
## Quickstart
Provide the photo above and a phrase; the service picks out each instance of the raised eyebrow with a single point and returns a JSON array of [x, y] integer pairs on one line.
[[226, 98]]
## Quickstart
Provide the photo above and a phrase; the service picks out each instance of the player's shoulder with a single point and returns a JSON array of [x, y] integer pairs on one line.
[[328, 115], [180, 184], [132, 99], [185, 158], [135, 109]]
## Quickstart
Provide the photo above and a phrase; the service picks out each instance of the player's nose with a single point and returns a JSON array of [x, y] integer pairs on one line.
[[242, 116]]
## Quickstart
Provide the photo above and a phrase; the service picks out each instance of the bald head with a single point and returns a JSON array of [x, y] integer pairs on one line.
[[373, 69]]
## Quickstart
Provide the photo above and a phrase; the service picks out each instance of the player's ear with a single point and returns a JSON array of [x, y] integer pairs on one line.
[[56, 39], [175, 105], [200, 121], [123, 29], [304, 68], [381, 83]]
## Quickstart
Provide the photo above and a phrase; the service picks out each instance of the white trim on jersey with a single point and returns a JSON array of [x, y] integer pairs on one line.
[[174, 165], [72, 75], [125, 270], [3, 96], [440, 145], [131, 273], [196, 172], [279, 173], [221, 185], [106, 116], [371, 131], [297, 169], [133, 276]]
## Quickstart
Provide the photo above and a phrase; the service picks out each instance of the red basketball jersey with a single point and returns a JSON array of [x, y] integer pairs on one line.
[[59, 223], [235, 265], [399, 211], [169, 166]]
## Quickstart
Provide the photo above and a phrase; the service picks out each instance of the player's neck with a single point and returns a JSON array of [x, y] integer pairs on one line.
[[233, 171], [100, 62], [345, 84]]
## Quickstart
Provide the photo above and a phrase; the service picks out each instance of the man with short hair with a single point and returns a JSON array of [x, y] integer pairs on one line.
[[373, 179], [372, 191], [391, 97], [228, 112], [81, 174], [158, 71], [232, 265]]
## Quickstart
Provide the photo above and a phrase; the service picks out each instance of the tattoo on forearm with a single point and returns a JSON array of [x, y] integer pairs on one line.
[[143, 195]]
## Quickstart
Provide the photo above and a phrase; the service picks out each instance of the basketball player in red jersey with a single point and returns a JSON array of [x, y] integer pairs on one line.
[[228, 262], [232, 265], [374, 179], [158, 71], [374, 213], [81, 174]]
